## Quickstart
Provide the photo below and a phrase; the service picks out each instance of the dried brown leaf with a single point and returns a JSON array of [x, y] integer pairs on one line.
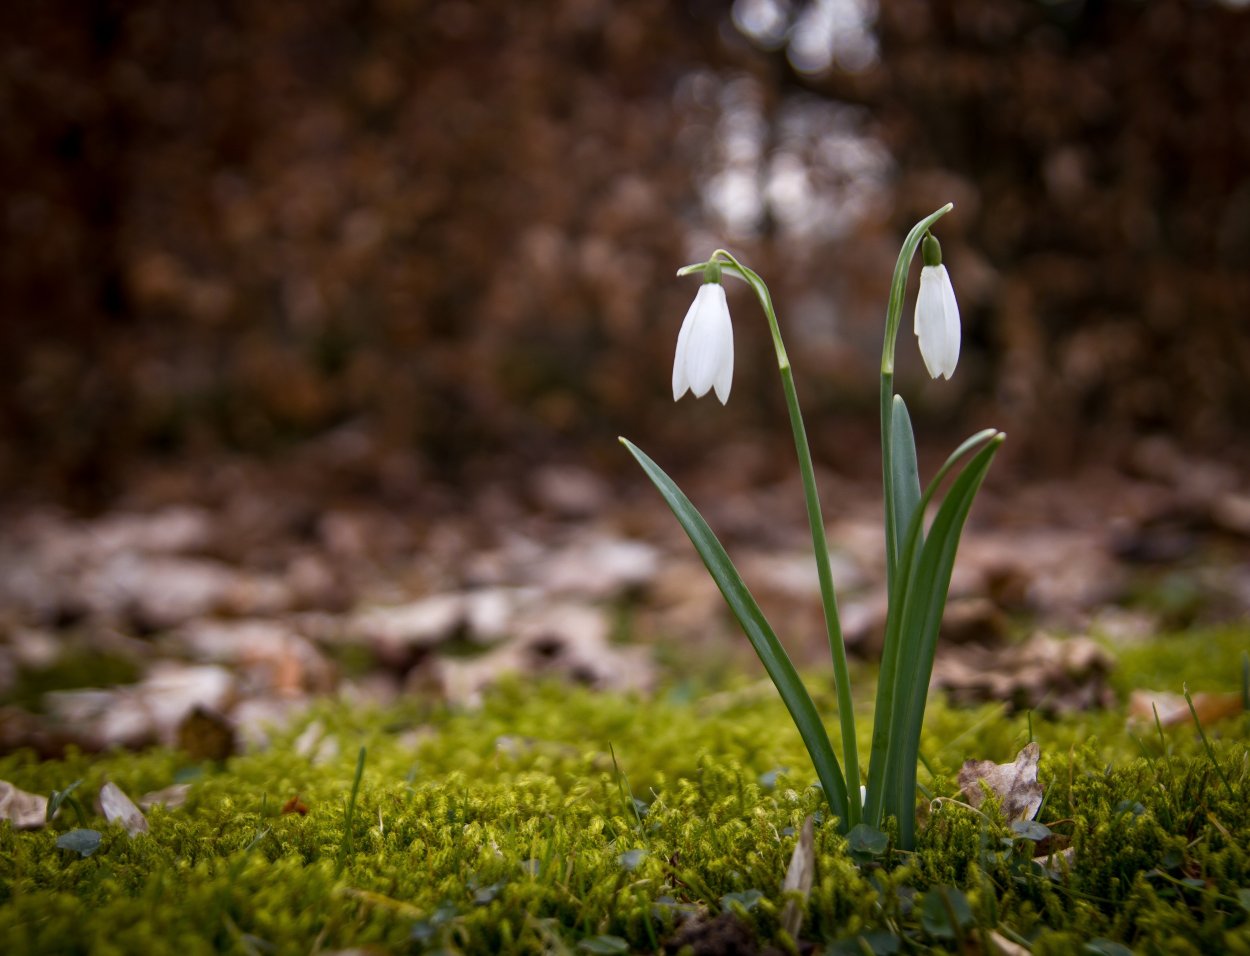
[[171, 797], [1015, 784], [26, 811], [799, 877], [295, 805], [999, 945], [119, 808], [1173, 709], [1044, 673]]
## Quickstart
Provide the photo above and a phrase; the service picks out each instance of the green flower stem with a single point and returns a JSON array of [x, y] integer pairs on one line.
[[833, 625], [893, 319], [898, 285], [828, 597]]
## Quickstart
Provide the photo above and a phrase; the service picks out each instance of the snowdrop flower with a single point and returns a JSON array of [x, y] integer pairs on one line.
[[937, 314], [705, 344]]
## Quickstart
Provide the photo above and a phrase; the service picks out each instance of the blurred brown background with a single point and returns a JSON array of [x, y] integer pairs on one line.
[[442, 235]]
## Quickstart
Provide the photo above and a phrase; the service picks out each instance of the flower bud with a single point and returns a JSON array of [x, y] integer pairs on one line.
[[937, 314], [705, 346]]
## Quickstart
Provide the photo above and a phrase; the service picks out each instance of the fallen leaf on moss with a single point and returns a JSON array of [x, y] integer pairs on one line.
[[1044, 673], [1015, 784], [295, 805], [999, 945], [171, 797], [26, 811], [1057, 862], [1172, 708], [119, 808], [799, 878]]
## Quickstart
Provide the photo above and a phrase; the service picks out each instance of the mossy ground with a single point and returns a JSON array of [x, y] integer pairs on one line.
[[568, 821]]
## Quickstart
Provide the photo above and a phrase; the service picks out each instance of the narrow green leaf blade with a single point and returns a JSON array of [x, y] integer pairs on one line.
[[886, 731], [758, 631], [921, 621], [905, 486]]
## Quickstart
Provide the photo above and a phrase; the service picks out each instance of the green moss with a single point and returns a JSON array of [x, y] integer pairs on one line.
[[553, 816], [1208, 660]]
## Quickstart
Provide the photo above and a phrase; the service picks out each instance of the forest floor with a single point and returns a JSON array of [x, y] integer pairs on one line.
[[303, 678]]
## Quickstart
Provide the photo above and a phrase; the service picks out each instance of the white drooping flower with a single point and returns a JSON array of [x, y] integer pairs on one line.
[[705, 346], [937, 314]]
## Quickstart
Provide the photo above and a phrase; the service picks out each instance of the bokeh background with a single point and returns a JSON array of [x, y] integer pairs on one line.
[[439, 238]]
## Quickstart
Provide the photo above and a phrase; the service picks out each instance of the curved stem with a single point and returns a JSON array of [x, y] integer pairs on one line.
[[893, 319], [833, 626], [898, 285], [816, 524]]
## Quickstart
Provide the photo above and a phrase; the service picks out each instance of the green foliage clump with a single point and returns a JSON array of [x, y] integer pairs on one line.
[[562, 820]]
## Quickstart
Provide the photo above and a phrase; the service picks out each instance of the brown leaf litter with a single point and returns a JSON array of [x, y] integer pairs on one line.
[[1014, 784], [1044, 673], [1173, 709], [26, 811]]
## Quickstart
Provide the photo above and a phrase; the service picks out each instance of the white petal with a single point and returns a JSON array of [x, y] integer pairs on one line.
[[681, 381], [705, 346], [725, 377], [950, 313], [937, 321], [928, 319]]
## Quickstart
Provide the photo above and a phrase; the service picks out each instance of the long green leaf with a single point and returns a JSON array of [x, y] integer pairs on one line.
[[886, 730], [905, 488], [758, 631], [920, 624], [902, 501]]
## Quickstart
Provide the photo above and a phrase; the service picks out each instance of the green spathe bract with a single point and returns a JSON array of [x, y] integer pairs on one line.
[[919, 564]]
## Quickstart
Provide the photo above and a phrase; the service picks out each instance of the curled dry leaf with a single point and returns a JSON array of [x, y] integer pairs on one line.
[[999, 945], [119, 808], [1173, 709], [171, 797], [1015, 784], [1044, 673], [1057, 862], [799, 877], [295, 805], [26, 811]]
